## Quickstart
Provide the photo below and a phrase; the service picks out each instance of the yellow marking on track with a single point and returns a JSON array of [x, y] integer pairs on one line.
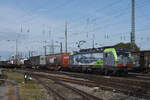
[[96, 87], [65, 76]]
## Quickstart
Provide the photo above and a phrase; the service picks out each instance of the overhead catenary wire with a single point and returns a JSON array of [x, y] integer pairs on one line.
[[112, 24], [115, 15], [33, 16], [75, 20]]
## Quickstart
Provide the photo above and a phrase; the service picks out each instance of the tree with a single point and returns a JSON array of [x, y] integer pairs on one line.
[[126, 45]]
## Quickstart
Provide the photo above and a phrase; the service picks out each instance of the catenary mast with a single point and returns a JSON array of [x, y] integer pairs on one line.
[[133, 27]]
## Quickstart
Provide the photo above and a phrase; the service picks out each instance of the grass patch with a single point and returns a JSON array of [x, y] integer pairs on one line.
[[29, 91], [19, 78]]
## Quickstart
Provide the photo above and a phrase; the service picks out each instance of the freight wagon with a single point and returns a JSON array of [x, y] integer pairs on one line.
[[36, 62], [27, 63], [8, 64], [57, 61], [106, 61], [140, 61], [15, 62], [3, 63]]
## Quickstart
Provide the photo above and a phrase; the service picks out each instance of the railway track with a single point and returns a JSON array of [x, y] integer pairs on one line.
[[139, 89], [131, 76], [139, 76], [47, 85], [50, 90], [84, 95], [128, 89]]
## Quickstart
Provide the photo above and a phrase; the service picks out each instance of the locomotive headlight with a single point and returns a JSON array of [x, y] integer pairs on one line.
[[120, 65]]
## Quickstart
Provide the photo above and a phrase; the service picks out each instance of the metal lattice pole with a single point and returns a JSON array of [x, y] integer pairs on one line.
[[133, 27], [66, 36]]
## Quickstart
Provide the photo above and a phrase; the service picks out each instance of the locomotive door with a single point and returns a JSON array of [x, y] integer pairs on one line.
[[109, 59]]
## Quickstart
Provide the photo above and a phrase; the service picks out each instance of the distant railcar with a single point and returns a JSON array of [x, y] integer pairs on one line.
[[19, 63], [3, 63], [57, 61], [27, 63], [12, 63]]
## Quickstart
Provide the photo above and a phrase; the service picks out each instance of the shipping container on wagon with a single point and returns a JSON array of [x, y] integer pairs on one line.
[[35, 60], [65, 59], [38, 60], [42, 60], [56, 61]]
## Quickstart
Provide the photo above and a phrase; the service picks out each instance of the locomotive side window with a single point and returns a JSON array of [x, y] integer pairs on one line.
[[106, 54]]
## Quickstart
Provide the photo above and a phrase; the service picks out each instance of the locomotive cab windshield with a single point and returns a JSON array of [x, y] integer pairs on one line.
[[117, 57], [124, 58]]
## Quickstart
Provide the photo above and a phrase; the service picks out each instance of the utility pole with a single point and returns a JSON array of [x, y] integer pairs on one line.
[[60, 47], [16, 51], [52, 46], [133, 27], [45, 52], [32, 53], [16, 47], [93, 41], [45, 48], [66, 36], [29, 54]]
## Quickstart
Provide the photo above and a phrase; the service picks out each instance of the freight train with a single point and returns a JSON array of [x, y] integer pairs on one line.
[[106, 61]]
